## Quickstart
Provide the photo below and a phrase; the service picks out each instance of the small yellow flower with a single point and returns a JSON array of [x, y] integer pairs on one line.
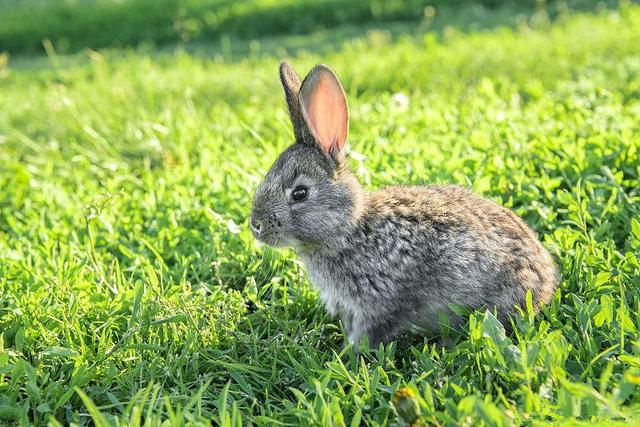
[[406, 405]]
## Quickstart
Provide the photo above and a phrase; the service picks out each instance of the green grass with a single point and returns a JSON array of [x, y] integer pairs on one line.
[[73, 25], [131, 290]]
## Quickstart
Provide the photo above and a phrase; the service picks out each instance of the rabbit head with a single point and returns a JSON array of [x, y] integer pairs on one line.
[[309, 199]]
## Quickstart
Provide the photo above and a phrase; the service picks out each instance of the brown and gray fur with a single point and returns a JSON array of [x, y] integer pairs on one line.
[[395, 259]]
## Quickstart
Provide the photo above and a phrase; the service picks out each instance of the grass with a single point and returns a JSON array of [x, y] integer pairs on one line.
[[132, 292], [72, 25]]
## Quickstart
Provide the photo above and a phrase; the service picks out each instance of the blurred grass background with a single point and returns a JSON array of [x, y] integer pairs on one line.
[[73, 25]]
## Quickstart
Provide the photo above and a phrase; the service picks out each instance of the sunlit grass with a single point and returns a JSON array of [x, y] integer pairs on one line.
[[131, 290]]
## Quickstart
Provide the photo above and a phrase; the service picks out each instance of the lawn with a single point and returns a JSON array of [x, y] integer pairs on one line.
[[132, 292]]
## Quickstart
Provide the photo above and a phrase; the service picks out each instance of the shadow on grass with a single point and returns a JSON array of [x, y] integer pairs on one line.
[[465, 16]]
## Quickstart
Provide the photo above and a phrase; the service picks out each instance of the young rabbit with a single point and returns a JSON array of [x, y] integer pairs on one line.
[[395, 259]]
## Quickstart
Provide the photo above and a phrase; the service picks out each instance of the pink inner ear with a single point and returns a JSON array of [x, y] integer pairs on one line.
[[325, 109]]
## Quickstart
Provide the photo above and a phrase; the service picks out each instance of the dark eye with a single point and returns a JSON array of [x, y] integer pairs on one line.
[[299, 193]]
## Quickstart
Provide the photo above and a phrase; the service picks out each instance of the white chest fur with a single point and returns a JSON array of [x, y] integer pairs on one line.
[[332, 293], [338, 297]]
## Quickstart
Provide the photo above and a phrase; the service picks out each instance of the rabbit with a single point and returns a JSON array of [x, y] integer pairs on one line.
[[394, 260]]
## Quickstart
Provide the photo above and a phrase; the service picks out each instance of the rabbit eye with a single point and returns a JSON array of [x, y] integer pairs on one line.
[[299, 193]]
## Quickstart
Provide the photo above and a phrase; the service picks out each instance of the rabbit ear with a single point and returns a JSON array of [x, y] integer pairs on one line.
[[324, 109], [291, 85]]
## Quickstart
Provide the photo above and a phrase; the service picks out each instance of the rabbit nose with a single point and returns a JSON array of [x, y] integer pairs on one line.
[[255, 224]]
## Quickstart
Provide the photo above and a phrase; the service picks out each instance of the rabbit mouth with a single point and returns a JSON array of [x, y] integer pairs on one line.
[[276, 239], [267, 229], [272, 239]]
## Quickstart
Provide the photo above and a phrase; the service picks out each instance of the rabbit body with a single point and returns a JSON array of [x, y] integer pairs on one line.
[[416, 250], [395, 259]]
